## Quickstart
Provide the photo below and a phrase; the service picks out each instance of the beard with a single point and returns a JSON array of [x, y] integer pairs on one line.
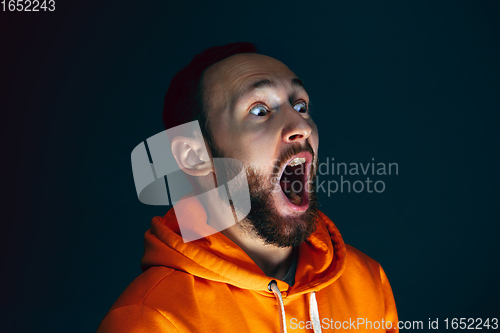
[[264, 220]]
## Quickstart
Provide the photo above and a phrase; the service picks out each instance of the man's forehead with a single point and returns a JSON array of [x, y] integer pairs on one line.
[[241, 68]]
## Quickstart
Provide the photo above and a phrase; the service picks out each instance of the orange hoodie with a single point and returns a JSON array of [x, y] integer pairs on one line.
[[212, 285]]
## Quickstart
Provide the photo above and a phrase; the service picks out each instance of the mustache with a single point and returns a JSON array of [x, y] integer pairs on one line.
[[290, 152]]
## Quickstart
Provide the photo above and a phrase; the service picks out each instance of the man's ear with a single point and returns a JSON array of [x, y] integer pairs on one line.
[[191, 155]]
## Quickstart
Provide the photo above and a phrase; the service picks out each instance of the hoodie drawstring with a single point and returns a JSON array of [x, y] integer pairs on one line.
[[314, 313], [313, 308], [273, 286]]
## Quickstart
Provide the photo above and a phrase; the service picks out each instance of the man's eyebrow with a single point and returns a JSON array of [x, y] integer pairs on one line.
[[299, 83], [266, 83], [261, 84]]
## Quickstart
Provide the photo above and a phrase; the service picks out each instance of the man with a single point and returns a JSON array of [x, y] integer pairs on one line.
[[284, 267]]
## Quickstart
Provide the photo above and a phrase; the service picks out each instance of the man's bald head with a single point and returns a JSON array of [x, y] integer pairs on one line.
[[184, 98]]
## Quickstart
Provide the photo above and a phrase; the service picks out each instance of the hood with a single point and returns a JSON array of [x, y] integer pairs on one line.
[[321, 258]]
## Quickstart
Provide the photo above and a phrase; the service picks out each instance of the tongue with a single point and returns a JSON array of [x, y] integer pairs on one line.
[[294, 198]]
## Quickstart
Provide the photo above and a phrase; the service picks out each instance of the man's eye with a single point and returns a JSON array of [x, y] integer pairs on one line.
[[301, 107], [259, 110]]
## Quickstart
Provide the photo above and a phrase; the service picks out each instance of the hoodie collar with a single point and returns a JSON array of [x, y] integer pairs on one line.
[[321, 257]]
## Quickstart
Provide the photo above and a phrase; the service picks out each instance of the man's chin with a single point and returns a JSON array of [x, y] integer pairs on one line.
[[284, 231], [279, 222]]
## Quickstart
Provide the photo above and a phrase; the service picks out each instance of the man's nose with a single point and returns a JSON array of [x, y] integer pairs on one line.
[[296, 129]]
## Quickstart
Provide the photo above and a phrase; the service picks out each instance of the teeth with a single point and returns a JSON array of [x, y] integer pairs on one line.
[[297, 161]]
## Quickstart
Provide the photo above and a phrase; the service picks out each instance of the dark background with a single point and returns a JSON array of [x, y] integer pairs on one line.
[[414, 83]]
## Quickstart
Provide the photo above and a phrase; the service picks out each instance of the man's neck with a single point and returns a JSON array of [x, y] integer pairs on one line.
[[272, 260]]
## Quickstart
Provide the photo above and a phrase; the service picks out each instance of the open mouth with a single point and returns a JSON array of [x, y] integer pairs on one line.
[[294, 181]]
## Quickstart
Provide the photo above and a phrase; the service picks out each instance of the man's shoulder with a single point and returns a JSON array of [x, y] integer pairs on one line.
[[356, 257], [132, 308], [360, 267], [155, 282]]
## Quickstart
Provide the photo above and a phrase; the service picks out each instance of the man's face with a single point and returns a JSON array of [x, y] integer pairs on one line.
[[258, 114]]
